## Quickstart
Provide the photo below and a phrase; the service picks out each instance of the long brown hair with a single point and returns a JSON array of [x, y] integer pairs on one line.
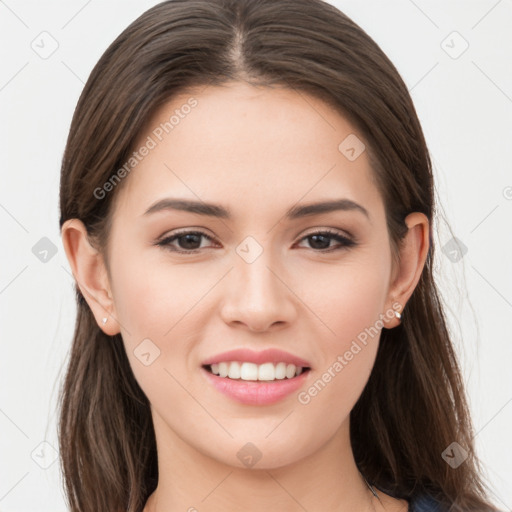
[[413, 406]]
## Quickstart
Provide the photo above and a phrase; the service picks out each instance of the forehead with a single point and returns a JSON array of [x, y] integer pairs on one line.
[[249, 147]]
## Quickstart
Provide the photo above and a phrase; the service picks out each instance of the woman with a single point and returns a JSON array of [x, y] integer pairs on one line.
[[247, 207]]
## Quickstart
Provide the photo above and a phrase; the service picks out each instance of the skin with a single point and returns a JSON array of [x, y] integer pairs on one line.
[[256, 151]]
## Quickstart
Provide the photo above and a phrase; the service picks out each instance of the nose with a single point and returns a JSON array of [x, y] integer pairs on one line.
[[257, 296]]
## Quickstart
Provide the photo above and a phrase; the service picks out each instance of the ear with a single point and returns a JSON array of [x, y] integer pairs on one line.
[[90, 273], [407, 272]]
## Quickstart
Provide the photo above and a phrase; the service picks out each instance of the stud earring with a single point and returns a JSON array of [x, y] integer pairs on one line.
[[398, 315], [104, 320]]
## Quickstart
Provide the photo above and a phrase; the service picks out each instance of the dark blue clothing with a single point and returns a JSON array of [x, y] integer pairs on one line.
[[425, 504]]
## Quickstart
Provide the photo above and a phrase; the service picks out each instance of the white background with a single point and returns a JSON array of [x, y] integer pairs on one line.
[[464, 104]]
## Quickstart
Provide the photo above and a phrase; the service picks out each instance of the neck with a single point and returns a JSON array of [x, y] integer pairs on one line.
[[326, 479]]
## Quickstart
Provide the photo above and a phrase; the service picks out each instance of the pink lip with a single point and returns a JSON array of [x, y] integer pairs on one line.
[[256, 392], [270, 355]]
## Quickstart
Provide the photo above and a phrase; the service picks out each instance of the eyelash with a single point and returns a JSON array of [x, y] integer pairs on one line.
[[344, 241]]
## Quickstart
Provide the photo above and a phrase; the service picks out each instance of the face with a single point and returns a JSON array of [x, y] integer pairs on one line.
[[316, 286]]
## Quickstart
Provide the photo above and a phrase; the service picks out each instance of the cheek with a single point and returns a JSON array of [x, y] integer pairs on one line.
[[162, 302], [348, 301], [153, 295], [347, 298], [347, 356]]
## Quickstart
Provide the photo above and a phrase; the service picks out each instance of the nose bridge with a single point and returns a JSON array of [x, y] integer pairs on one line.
[[257, 295]]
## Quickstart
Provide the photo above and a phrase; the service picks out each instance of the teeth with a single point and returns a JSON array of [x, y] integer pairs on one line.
[[252, 371]]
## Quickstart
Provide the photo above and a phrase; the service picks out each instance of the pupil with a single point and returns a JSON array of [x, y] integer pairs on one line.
[[315, 238], [192, 238]]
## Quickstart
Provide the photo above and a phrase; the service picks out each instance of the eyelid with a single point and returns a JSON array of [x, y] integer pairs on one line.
[[316, 230], [182, 232], [185, 231], [331, 231]]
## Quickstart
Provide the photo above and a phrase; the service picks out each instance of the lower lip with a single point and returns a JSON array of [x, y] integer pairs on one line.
[[256, 392]]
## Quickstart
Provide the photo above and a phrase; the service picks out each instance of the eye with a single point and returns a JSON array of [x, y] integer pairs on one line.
[[321, 240], [189, 242]]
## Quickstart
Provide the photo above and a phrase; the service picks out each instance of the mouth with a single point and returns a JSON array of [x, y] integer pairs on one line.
[[251, 372], [256, 385]]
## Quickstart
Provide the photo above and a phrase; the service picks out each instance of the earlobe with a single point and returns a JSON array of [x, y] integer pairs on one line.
[[88, 268], [413, 254]]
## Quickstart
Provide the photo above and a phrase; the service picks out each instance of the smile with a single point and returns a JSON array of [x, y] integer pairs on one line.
[[256, 391], [255, 372]]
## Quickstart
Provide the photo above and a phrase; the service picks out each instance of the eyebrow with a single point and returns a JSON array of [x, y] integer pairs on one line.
[[215, 210]]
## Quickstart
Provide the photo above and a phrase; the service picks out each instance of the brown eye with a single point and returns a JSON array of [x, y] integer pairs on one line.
[[190, 241], [187, 241], [321, 241]]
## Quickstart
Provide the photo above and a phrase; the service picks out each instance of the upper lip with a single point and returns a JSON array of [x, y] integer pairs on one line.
[[271, 355]]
